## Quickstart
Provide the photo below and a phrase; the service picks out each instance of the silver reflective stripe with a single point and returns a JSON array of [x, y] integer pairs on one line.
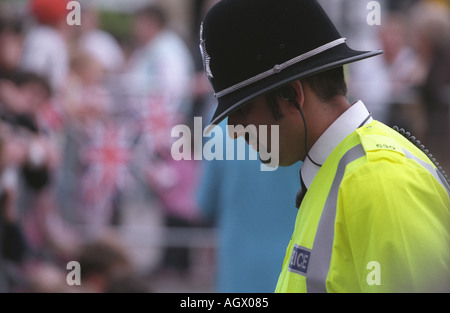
[[279, 67], [323, 242], [444, 182], [430, 168], [320, 258]]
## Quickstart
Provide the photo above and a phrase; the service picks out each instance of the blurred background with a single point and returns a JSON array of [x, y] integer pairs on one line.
[[86, 172]]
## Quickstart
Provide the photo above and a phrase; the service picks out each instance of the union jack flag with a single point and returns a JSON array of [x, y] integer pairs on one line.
[[156, 123], [107, 155]]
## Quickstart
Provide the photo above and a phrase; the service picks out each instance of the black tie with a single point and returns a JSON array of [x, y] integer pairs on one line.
[[301, 192]]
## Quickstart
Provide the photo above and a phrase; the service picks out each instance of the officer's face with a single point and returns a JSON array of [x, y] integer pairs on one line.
[[257, 116]]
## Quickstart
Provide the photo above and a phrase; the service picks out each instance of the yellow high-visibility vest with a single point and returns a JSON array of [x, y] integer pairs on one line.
[[376, 218]]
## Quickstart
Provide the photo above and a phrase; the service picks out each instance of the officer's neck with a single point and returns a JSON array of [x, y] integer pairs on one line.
[[320, 115]]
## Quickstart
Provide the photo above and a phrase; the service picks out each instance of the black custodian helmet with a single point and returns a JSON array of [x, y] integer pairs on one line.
[[251, 47]]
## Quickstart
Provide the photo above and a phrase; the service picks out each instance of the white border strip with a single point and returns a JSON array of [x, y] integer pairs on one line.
[[279, 67]]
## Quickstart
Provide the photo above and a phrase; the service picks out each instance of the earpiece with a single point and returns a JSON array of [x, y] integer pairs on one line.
[[288, 93]]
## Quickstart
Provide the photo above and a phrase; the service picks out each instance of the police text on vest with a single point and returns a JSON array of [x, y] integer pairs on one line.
[[299, 260]]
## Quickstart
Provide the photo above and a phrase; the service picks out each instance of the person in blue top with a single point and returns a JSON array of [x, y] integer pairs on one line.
[[254, 212]]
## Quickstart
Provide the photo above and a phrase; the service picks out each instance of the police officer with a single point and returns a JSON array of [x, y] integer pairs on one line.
[[374, 210]]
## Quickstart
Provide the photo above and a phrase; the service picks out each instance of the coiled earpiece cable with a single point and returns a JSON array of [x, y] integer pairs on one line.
[[419, 145]]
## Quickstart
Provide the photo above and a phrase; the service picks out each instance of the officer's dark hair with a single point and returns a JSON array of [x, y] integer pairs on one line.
[[154, 11], [326, 85]]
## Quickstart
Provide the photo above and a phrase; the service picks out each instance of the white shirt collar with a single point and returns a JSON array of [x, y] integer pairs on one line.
[[347, 123]]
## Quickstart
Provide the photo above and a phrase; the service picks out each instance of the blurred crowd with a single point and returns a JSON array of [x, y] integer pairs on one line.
[[408, 86], [86, 120]]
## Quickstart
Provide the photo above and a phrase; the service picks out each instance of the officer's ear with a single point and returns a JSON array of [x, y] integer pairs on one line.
[[293, 93]]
